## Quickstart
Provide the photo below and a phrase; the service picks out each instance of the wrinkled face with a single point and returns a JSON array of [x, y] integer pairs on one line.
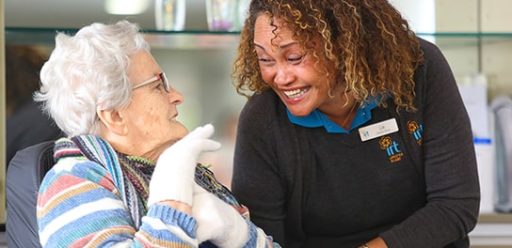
[[289, 70], [152, 111]]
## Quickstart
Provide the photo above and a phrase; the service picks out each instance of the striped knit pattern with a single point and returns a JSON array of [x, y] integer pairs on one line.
[[80, 203], [79, 206]]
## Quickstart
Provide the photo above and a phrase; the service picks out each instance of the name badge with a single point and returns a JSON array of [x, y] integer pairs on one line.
[[378, 129]]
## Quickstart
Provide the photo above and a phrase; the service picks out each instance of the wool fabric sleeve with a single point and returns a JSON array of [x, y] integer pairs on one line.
[[256, 175], [449, 163], [78, 205]]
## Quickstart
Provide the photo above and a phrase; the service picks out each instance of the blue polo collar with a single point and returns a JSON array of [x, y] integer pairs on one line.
[[319, 119]]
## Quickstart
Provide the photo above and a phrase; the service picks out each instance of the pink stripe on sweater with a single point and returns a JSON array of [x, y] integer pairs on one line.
[[64, 182], [66, 151]]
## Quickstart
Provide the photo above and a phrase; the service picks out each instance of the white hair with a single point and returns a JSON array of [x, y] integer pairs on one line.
[[88, 71]]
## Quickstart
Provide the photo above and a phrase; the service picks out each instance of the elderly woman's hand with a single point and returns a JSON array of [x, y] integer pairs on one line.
[[173, 178]]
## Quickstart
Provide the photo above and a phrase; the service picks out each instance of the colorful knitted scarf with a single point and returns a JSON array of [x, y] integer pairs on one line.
[[131, 174]]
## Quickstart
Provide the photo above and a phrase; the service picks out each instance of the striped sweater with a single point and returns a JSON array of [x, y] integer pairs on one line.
[[80, 205]]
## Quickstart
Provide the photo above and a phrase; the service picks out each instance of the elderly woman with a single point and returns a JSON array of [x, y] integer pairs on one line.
[[126, 175]]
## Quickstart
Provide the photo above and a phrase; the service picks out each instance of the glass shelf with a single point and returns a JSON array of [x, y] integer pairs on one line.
[[448, 40], [203, 39], [190, 39], [206, 32], [73, 30], [466, 34]]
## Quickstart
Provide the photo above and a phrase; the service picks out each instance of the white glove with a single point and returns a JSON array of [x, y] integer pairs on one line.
[[217, 221], [173, 178]]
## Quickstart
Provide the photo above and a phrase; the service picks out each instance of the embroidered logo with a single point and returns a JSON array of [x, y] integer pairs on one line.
[[392, 149], [416, 131]]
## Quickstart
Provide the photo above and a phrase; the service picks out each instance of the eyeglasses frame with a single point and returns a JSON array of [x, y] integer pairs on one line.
[[160, 76]]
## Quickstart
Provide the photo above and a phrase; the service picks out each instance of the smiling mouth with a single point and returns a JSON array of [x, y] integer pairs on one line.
[[295, 93]]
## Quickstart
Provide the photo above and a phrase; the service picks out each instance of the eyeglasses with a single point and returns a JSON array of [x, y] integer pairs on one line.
[[160, 76]]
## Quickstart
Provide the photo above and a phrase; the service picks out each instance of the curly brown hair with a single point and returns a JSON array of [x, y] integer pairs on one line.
[[364, 45]]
